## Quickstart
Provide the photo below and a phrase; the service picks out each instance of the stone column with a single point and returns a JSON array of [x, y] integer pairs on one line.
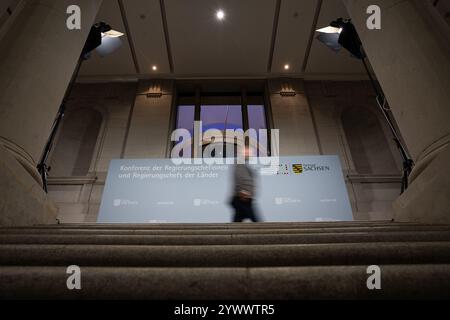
[[149, 134], [38, 55], [292, 116], [411, 58]]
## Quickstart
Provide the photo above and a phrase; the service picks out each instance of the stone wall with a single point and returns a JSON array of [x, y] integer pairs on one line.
[[292, 115], [7, 8], [78, 197], [349, 124]]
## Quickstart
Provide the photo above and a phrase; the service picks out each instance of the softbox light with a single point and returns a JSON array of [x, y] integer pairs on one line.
[[341, 33], [109, 45], [103, 39], [331, 40]]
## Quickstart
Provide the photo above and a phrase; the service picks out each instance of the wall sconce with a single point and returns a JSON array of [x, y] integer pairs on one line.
[[155, 90], [287, 90]]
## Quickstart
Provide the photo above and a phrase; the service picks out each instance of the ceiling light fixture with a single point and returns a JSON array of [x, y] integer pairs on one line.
[[220, 14]]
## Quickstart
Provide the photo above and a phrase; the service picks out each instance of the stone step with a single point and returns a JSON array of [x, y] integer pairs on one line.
[[308, 282], [226, 261], [226, 256], [226, 239], [226, 224], [264, 225], [222, 231]]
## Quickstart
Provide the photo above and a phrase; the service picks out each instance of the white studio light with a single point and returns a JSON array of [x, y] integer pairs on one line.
[[112, 33], [330, 29], [111, 42], [330, 37]]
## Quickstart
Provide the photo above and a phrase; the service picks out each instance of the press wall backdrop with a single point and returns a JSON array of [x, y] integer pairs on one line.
[[304, 188]]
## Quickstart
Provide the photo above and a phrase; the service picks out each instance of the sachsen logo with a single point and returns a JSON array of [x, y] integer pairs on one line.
[[297, 168], [302, 168]]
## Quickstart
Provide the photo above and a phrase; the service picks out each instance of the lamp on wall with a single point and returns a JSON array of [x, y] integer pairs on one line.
[[287, 89], [341, 33], [155, 89], [106, 41]]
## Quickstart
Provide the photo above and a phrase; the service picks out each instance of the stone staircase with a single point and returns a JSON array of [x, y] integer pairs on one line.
[[226, 261]]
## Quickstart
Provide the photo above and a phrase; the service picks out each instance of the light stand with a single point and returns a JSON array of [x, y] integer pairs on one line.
[[94, 40], [345, 33], [408, 163]]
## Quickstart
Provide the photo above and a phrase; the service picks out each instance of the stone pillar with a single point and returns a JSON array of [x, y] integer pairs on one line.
[[38, 55], [149, 134], [411, 58], [292, 116]]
